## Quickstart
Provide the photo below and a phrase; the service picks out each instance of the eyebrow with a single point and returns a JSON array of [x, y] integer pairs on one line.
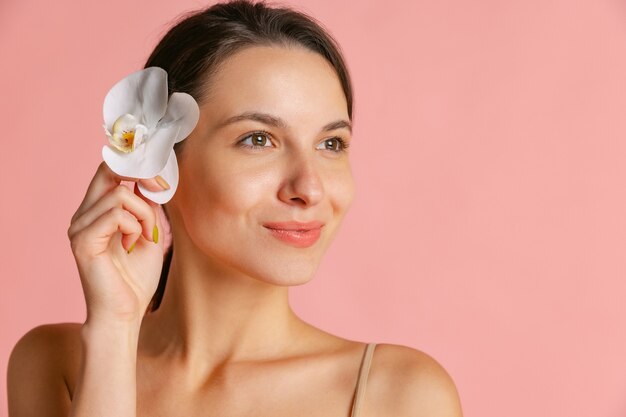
[[270, 120]]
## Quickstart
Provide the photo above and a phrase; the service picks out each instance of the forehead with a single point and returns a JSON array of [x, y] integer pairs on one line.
[[291, 82]]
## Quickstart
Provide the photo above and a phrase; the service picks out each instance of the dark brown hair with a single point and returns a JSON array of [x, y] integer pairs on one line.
[[193, 49]]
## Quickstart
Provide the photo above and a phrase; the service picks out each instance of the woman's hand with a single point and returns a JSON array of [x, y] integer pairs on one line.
[[118, 284]]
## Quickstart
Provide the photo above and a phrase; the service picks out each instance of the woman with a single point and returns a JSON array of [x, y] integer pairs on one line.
[[265, 181]]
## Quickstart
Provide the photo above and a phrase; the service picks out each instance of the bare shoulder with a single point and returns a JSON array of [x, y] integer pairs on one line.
[[48, 344], [37, 370], [408, 382]]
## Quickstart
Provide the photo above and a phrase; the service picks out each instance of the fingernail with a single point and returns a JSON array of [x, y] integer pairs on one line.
[[155, 234], [131, 248], [162, 182]]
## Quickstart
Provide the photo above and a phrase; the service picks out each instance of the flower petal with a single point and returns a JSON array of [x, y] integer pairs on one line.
[[169, 174], [183, 111], [142, 94]]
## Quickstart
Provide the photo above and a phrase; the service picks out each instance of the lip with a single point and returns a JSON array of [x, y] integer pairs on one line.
[[298, 234]]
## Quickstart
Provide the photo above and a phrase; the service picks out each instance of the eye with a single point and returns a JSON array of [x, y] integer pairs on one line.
[[335, 144], [256, 140]]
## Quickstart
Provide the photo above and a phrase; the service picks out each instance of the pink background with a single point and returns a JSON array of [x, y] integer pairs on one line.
[[489, 228]]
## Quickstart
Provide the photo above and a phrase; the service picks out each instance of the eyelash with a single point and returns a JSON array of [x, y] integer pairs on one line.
[[343, 145]]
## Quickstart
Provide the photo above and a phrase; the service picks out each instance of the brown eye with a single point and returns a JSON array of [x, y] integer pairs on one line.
[[333, 144], [259, 140], [256, 140]]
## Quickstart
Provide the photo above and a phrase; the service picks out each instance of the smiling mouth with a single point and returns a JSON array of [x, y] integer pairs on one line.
[[300, 235]]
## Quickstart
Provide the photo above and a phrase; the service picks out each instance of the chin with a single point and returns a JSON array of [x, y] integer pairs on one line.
[[287, 273]]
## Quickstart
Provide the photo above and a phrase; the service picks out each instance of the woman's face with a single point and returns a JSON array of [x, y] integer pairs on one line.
[[237, 182]]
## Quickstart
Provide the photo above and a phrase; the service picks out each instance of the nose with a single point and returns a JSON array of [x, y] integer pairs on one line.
[[302, 184]]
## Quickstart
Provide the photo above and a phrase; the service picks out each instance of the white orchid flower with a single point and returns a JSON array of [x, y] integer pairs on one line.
[[143, 125]]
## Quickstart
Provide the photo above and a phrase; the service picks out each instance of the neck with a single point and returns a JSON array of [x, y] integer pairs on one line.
[[212, 311]]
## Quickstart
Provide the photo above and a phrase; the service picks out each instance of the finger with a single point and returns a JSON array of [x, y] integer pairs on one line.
[[95, 238], [102, 182], [157, 183], [155, 207], [120, 197], [143, 197]]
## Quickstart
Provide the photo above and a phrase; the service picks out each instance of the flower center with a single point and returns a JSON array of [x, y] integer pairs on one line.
[[127, 133]]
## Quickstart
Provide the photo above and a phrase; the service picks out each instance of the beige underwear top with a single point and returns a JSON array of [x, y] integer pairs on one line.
[[359, 392]]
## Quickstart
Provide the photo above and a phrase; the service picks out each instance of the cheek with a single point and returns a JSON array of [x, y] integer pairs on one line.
[[245, 186], [227, 190], [341, 190]]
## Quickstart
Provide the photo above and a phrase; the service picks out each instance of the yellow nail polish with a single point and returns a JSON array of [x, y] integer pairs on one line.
[[162, 182], [131, 248], [155, 234]]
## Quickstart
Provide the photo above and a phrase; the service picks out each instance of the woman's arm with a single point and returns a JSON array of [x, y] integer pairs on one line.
[[118, 281], [43, 359], [107, 378]]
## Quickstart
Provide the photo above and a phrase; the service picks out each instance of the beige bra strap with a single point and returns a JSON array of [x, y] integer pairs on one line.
[[362, 381]]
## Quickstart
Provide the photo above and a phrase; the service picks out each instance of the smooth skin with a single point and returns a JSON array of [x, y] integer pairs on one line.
[[225, 341]]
